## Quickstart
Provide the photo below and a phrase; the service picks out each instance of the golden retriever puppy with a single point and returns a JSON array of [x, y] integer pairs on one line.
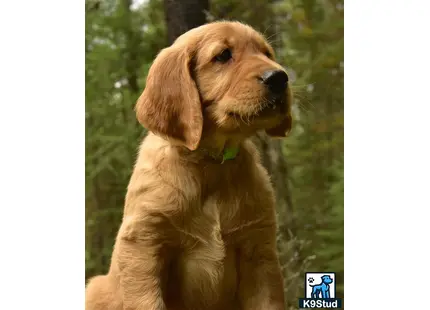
[[198, 231]]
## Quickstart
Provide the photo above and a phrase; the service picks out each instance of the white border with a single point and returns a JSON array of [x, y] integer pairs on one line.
[[387, 117], [42, 106], [386, 154]]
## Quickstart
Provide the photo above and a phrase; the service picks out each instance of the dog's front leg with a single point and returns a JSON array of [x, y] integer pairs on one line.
[[141, 261], [260, 279]]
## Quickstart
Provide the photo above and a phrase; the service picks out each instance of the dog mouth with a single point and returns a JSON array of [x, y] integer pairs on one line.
[[266, 109]]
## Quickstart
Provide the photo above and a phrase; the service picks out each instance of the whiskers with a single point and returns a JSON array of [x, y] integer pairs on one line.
[[273, 38], [300, 93], [266, 104]]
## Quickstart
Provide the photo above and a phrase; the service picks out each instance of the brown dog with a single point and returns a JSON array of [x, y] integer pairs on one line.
[[198, 231]]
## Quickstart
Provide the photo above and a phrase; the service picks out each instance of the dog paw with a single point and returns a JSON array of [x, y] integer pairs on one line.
[[311, 280]]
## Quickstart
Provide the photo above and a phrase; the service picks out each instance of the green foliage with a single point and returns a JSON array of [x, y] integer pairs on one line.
[[120, 46], [308, 38]]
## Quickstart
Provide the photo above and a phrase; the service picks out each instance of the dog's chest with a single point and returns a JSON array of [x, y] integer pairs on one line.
[[207, 263]]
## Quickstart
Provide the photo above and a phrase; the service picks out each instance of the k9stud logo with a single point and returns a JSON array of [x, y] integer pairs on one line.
[[320, 291]]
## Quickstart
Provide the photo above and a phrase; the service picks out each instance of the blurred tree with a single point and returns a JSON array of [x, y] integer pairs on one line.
[[183, 15], [120, 44]]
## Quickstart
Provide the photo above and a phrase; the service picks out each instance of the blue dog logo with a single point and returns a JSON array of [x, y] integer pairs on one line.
[[322, 295], [322, 290]]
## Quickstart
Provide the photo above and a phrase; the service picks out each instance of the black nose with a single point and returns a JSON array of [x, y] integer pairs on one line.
[[276, 80]]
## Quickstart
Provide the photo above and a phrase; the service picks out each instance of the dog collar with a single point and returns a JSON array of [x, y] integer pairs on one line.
[[229, 153]]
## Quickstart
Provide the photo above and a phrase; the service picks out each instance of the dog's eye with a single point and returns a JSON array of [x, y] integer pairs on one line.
[[224, 56], [268, 55]]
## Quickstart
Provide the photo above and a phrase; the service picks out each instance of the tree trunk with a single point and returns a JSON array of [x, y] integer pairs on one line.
[[183, 15]]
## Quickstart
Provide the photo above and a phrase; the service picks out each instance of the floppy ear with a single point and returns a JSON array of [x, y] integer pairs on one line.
[[170, 104]]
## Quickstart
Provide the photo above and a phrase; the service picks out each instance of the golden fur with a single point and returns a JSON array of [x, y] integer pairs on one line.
[[199, 233]]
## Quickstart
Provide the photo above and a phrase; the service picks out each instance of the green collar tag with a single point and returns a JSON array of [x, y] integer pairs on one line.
[[229, 153]]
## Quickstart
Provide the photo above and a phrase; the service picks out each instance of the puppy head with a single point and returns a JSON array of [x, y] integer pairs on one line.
[[222, 74], [244, 89], [326, 279]]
